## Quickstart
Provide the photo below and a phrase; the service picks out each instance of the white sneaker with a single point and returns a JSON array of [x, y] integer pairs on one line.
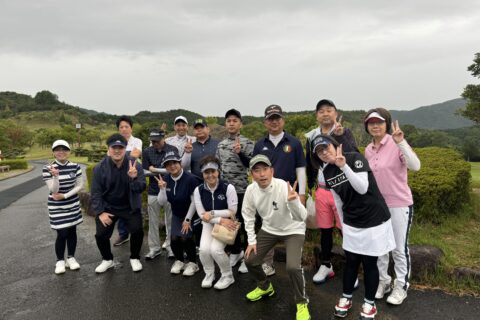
[[208, 280], [383, 289], [60, 267], [177, 267], [152, 254], [235, 258], [224, 282], [136, 265], [166, 244], [397, 296], [243, 267], [190, 269], [368, 311], [268, 269], [323, 274], [72, 264], [104, 266]]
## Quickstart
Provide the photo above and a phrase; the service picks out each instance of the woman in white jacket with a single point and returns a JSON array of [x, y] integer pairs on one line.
[[216, 203]]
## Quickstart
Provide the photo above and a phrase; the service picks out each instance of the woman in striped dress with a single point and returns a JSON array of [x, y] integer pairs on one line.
[[64, 180]]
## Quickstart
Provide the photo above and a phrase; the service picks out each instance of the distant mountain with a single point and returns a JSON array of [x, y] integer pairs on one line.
[[436, 116]]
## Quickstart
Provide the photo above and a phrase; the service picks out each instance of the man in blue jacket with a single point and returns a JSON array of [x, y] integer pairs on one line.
[[117, 186]]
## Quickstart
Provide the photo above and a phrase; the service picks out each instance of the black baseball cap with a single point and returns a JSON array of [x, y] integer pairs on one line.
[[233, 112], [325, 102], [156, 135], [200, 122], [171, 156], [323, 140], [116, 140], [273, 110]]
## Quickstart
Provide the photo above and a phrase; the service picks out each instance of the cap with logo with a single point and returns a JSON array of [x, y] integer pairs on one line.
[[171, 156], [116, 140], [200, 122], [60, 143], [209, 165], [323, 140], [156, 134], [259, 158], [180, 118], [273, 110]]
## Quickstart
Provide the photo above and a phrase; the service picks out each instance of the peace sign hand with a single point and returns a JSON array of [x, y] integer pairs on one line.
[[338, 126], [161, 183], [292, 194], [188, 146], [164, 127], [397, 134], [132, 170], [237, 147], [340, 160], [53, 171]]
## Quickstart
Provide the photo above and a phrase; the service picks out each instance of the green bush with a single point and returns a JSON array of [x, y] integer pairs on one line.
[[15, 164], [442, 186], [89, 173]]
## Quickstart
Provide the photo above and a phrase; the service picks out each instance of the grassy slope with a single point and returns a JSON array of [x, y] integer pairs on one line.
[[475, 174]]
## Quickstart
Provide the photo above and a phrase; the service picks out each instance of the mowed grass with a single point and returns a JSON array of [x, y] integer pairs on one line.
[[475, 174]]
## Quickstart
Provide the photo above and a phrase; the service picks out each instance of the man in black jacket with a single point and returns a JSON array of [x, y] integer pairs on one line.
[[117, 185]]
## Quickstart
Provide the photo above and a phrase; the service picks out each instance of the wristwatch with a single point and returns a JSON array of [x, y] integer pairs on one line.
[[187, 220], [212, 213]]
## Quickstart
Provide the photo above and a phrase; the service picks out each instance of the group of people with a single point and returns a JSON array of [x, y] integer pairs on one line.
[[202, 183]]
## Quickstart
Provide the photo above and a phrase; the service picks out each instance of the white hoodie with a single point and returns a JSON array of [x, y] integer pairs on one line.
[[279, 216]]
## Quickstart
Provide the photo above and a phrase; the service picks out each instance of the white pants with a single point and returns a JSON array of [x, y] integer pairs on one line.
[[154, 223], [213, 250], [401, 222]]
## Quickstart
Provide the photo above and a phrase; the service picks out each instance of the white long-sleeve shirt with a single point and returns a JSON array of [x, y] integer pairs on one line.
[[280, 216]]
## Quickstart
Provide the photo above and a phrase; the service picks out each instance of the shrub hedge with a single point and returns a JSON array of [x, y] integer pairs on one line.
[[15, 164], [442, 186]]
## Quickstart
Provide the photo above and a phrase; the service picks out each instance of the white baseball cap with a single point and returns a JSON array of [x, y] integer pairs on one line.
[[375, 115], [180, 118], [60, 143]]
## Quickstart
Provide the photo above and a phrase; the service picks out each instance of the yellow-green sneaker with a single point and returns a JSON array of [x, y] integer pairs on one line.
[[302, 311], [259, 293]]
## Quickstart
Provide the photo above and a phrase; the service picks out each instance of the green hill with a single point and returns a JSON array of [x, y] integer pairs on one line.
[[436, 116]]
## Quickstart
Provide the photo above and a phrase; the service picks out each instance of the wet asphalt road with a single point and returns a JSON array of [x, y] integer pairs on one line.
[[29, 289]]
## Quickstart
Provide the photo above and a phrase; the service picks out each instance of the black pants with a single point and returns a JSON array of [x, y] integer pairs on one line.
[[241, 239], [180, 245], [134, 226], [370, 272], [66, 237]]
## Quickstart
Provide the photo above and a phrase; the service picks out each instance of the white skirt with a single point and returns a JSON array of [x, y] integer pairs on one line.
[[374, 241]]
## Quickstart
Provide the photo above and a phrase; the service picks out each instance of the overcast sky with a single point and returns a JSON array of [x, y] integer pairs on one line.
[[207, 56]]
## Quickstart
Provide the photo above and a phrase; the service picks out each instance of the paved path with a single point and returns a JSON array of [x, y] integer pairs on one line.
[[30, 290]]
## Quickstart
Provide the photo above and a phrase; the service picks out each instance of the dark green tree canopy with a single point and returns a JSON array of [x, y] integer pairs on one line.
[[472, 93]]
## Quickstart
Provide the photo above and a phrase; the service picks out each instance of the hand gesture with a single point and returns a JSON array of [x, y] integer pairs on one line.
[[338, 127], [397, 134], [105, 218], [188, 146], [228, 223], [58, 196], [186, 226], [292, 193], [340, 158], [161, 183], [164, 127], [237, 147], [132, 170], [53, 171], [135, 153]]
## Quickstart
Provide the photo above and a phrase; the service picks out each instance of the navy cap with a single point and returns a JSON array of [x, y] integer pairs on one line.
[[323, 140], [171, 156], [233, 112], [200, 122]]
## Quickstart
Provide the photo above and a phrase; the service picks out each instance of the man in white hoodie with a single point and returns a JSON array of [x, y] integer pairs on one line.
[[283, 215]]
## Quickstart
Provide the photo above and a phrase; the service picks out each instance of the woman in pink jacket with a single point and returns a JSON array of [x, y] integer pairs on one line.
[[390, 156]]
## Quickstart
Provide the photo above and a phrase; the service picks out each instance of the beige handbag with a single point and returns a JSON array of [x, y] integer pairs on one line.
[[225, 235]]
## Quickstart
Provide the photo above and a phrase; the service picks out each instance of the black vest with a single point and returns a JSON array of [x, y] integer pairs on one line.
[[216, 200]]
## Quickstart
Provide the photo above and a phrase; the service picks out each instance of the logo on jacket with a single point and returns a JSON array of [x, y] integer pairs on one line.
[[275, 205], [221, 197], [358, 164], [72, 174], [265, 148], [287, 148]]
